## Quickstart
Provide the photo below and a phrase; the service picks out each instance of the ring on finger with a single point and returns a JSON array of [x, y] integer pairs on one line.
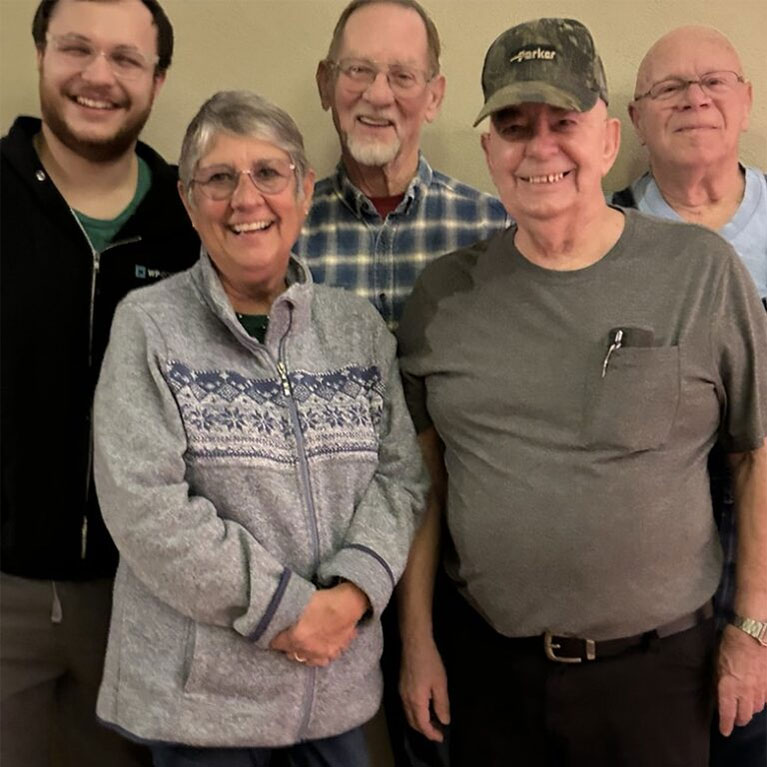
[[298, 658]]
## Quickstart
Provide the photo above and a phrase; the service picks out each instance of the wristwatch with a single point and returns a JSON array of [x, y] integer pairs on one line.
[[754, 628]]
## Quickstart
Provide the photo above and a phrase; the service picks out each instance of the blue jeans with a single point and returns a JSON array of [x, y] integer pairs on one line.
[[345, 750]]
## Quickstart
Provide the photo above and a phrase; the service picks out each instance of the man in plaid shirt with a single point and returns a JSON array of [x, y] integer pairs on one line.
[[385, 213]]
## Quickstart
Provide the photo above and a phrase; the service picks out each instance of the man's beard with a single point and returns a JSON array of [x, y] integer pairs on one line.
[[375, 154], [97, 150]]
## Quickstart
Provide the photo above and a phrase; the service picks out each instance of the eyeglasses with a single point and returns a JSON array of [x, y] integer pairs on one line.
[[268, 176], [79, 53], [359, 74], [712, 83]]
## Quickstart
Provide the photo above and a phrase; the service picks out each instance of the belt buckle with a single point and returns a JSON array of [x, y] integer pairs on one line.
[[549, 646]]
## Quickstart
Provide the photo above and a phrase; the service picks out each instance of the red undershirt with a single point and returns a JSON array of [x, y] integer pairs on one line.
[[385, 205]]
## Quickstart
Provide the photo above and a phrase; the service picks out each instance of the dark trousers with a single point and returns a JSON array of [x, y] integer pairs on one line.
[[345, 750], [409, 747], [648, 707], [745, 747], [52, 642]]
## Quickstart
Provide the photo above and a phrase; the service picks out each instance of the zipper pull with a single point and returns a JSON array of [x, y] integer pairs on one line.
[[614, 346], [284, 378]]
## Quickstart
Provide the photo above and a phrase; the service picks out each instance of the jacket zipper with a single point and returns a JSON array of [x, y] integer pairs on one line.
[[304, 473], [303, 465], [96, 259]]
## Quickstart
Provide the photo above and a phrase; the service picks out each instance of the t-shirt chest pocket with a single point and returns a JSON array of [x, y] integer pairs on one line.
[[634, 404]]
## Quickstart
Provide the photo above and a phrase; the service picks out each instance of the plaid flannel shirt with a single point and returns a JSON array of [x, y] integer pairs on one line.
[[347, 244]]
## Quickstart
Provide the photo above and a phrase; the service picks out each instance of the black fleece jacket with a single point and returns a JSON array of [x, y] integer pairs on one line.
[[57, 298]]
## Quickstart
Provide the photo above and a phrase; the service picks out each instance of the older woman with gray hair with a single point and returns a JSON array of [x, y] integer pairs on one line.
[[258, 471]]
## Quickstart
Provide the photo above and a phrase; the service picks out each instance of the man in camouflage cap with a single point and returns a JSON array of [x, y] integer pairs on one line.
[[549, 61], [568, 378]]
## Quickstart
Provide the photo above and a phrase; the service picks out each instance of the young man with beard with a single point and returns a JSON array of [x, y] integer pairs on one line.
[[88, 214], [385, 213]]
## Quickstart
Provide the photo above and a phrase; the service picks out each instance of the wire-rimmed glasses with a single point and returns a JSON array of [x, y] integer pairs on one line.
[[271, 176]]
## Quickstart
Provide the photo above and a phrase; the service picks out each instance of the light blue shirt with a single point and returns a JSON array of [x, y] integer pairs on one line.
[[746, 231]]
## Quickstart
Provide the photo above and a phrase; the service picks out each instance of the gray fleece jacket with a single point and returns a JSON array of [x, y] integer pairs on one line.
[[236, 478]]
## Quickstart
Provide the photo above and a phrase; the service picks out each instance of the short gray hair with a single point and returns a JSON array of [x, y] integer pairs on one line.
[[241, 113], [434, 48]]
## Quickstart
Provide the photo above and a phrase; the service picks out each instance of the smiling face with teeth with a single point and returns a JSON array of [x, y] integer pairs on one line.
[[90, 110], [376, 127], [548, 162], [249, 237]]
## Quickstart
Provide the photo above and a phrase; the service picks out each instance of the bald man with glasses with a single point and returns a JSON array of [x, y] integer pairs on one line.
[[691, 107]]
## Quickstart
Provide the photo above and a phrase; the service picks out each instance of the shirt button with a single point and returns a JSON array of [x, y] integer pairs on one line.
[[40, 175]]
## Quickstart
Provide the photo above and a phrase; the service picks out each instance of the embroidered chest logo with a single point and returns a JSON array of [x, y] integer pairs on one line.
[[145, 273]]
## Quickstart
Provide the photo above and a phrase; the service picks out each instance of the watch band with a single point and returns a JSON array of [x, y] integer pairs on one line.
[[752, 627]]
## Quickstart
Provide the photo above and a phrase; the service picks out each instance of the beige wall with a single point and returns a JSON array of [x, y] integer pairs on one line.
[[272, 46]]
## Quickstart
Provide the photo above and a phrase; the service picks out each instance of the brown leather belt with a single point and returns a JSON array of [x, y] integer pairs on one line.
[[568, 649]]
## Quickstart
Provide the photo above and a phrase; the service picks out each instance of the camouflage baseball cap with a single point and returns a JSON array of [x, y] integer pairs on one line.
[[548, 61]]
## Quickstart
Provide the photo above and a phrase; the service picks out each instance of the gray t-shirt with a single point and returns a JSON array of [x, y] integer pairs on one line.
[[579, 503]]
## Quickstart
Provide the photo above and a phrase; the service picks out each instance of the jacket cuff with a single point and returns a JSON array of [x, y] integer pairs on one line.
[[286, 606], [366, 569]]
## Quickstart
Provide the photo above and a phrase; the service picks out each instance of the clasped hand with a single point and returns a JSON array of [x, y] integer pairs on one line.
[[327, 626]]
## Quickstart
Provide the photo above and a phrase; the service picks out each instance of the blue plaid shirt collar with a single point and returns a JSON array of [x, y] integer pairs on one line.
[[360, 204]]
